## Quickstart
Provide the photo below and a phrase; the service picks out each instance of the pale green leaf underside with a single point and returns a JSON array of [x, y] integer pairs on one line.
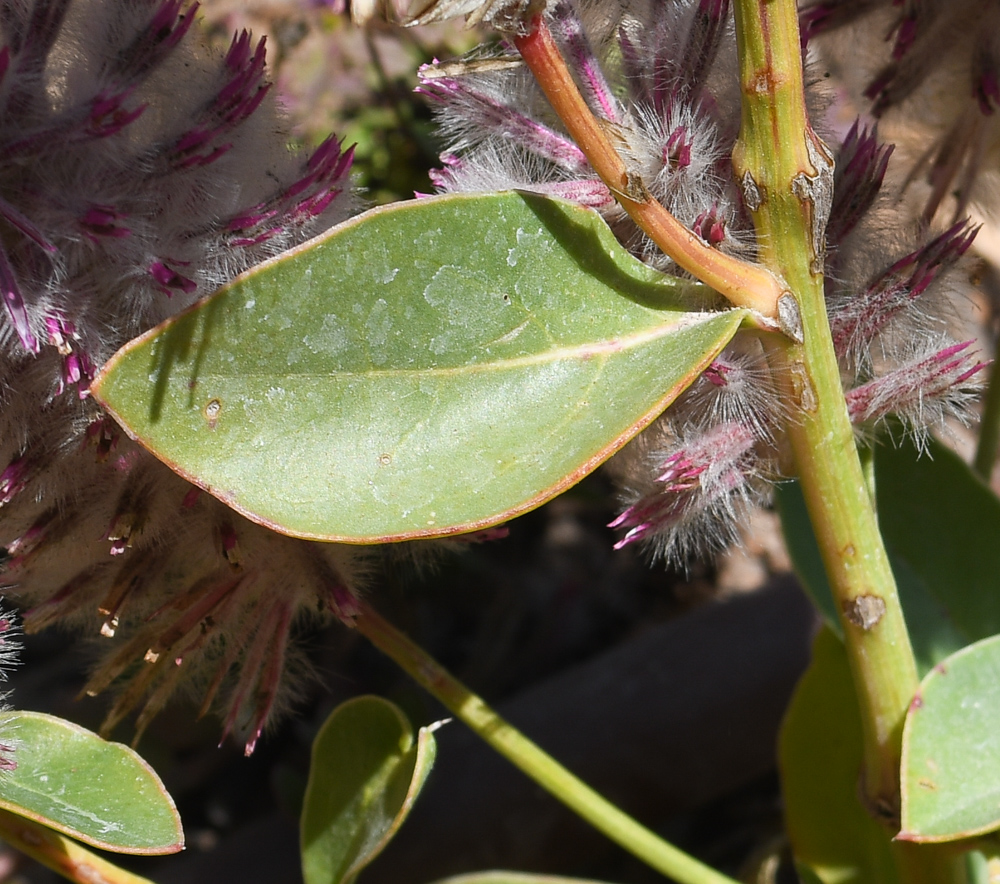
[[951, 750], [427, 368], [100, 793]]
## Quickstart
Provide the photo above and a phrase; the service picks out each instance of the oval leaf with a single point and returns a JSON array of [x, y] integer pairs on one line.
[[427, 368], [101, 793], [819, 754], [951, 751], [365, 776]]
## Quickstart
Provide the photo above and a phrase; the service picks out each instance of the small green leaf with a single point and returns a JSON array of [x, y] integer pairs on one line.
[[951, 751], [427, 368], [365, 776], [100, 793], [939, 517], [819, 753], [977, 868]]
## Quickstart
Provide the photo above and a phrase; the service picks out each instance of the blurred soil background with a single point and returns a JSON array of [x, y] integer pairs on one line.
[[663, 690]]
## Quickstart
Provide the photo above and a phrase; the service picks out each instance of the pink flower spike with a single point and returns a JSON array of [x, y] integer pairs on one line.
[[986, 74], [567, 27], [24, 224], [270, 678], [694, 495], [677, 150], [343, 603], [591, 192], [13, 302], [15, 478], [100, 221], [108, 116], [61, 331], [922, 392], [170, 280], [168, 26], [906, 34], [716, 374], [476, 107], [704, 39], [710, 225], [858, 322], [860, 170]]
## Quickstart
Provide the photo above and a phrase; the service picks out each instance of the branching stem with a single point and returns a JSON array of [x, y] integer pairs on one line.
[[744, 284], [524, 754]]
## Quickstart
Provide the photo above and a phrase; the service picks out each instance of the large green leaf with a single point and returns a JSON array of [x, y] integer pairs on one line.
[[951, 749], [101, 793], [426, 368], [365, 775], [819, 752]]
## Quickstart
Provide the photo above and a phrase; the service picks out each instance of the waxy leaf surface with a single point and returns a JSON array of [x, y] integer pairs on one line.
[[101, 793], [365, 775], [426, 368], [951, 749]]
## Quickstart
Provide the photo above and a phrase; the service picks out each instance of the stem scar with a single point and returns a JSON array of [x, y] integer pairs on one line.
[[751, 192], [817, 190], [864, 610], [803, 387], [790, 317]]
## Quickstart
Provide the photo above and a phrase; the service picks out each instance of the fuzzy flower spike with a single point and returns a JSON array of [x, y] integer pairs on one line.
[[940, 61], [662, 77], [139, 171]]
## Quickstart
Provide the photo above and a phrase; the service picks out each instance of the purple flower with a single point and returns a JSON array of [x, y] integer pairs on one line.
[[138, 172], [937, 71]]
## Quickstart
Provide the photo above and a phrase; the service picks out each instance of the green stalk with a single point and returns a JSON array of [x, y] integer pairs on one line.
[[787, 177], [786, 173], [525, 755], [63, 855]]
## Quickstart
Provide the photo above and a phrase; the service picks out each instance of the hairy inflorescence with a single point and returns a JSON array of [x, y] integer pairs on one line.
[[933, 68], [140, 171], [661, 78]]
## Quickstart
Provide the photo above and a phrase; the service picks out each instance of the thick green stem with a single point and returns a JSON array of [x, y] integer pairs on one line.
[[787, 177], [61, 854], [524, 754]]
